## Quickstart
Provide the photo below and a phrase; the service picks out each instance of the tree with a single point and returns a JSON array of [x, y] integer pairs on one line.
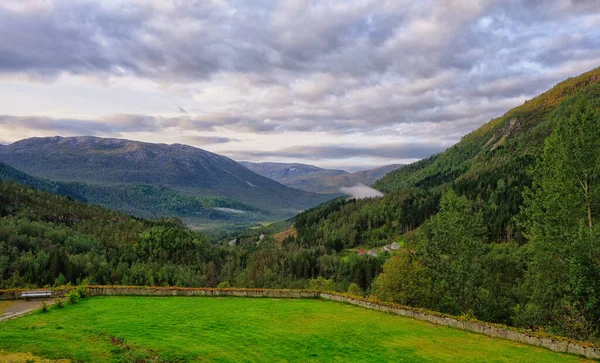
[[560, 214], [450, 247], [404, 280]]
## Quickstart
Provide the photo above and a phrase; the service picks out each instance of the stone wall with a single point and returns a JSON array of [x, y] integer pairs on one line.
[[557, 345], [562, 346], [168, 291]]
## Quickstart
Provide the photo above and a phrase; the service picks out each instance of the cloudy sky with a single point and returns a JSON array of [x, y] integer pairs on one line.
[[346, 84]]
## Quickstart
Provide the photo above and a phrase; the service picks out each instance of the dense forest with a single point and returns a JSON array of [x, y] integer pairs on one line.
[[501, 227], [50, 240]]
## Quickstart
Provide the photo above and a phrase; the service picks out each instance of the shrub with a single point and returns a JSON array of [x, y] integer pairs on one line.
[[321, 284], [60, 280], [355, 290], [44, 307], [59, 303], [72, 297], [224, 285], [83, 291]]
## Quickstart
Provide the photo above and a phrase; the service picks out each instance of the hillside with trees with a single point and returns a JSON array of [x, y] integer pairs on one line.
[[156, 180], [51, 240], [501, 227], [147, 201]]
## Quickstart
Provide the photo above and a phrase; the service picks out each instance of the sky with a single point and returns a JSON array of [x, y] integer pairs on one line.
[[337, 84]]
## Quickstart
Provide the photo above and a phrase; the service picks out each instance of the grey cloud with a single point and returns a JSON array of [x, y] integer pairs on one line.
[[209, 140], [341, 37], [337, 66], [385, 151], [109, 125]]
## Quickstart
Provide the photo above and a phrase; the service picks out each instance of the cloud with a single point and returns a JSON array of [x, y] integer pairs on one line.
[[230, 210], [361, 191], [386, 151], [113, 124], [424, 71], [209, 140]]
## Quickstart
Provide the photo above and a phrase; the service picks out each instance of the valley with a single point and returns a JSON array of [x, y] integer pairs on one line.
[[153, 180], [317, 180], [356, 181]]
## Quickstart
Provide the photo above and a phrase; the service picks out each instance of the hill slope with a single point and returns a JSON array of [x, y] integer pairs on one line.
[[185, 169], [48, 239], [489, 166], [145, 200], [313, 179]]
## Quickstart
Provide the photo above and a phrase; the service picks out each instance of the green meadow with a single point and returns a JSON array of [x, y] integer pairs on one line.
[[179, 329]]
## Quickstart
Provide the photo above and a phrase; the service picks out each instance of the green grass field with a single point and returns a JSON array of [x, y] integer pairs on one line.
[[237, 329]]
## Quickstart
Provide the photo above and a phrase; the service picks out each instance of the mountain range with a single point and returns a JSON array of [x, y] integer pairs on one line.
[[153, 180], [317, 180]]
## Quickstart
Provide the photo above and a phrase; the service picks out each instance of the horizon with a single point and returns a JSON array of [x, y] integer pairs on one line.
[[351, 169]]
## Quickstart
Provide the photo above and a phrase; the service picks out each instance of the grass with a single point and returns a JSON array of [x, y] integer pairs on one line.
[[237, 329]]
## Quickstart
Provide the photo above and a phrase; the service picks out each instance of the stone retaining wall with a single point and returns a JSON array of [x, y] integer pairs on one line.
[[159, 291], [557, 345]]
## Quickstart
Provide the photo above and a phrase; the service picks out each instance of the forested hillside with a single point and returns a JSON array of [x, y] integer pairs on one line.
[[50, 240], [491, 164], [146, 200], [205, 190], [501, 226]]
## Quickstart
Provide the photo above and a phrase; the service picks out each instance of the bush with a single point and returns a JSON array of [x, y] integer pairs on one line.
[[224, 285], [59, 303], [72, 297], [83, 291], [60, 280], [355, 290], [44, 307], [321, 284]]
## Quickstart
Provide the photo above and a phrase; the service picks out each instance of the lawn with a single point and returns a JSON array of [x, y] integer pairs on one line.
[[238, 329]]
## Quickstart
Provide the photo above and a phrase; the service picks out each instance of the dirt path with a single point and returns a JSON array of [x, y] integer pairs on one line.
[[13, 308]]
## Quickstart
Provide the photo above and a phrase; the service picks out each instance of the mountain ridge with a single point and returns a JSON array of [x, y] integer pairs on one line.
[[318, 180], [182, 168]]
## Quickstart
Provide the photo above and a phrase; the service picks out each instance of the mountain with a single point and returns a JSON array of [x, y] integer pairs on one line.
[[285, 171], [145, 200], [489, 166], [99, 167], [492, 162], [317, 180]]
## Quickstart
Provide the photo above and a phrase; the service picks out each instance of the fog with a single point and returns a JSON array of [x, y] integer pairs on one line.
[[230, 210], [360, 191]]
